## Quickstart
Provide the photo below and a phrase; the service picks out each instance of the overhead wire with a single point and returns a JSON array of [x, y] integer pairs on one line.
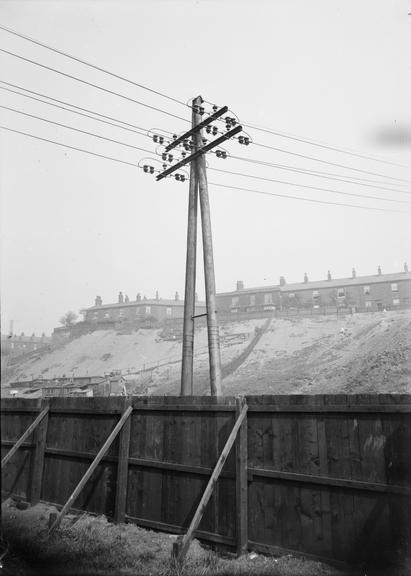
[[325, 146], [77, 129], [211, 183], [311, 187], [318, 175], [86, 63], [112, 92], [309, 199]]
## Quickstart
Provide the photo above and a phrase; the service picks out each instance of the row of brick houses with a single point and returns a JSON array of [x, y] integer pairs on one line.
[[356, 293]]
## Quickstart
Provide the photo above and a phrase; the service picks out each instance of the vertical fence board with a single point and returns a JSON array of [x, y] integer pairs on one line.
[[40, 439], [122, 469]]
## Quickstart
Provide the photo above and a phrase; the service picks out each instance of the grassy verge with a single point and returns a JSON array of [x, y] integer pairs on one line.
[[89, 545]]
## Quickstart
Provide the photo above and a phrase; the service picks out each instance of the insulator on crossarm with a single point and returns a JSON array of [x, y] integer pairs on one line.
[[182, 178], [208, 129], [241, 139], [170, 157], [175, 136], [215, 108], [155, 138], [183, 154], [204, 141], [201, 110], [151, 169], [164, 156], [246, 140], [145, 168], [177, 176], [224, 154], [164, 166], [161, 139], [218, 154], [215, 130]]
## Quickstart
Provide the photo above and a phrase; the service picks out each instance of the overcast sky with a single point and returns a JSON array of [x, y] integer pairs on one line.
[[74, 226]]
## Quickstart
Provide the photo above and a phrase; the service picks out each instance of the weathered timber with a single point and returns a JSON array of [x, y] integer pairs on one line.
[[26, 434], [241, 483], [122, 468], [40, 437]]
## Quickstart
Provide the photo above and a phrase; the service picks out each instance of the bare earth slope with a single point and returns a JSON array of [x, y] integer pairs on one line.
[[359, 353]]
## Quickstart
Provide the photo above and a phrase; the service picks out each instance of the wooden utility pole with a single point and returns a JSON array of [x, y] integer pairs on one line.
[[187, 366], [198, 187], [209, 277]]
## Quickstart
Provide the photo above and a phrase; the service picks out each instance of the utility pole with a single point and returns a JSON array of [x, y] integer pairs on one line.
[[209, 277], [187, 366], [194, 140]]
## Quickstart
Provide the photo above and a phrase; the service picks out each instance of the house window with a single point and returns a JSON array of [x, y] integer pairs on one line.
[[340, 292], [316, 306], [169, 311], [121, 313], [396, 301], [234, 301], [394, 287], [268, 298], [368, 304], [252, 300], [148, 309], [291, 295], [316, 294], [107, 315]]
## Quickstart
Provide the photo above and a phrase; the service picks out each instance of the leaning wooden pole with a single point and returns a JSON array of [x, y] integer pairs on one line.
[[187, 367], [24, 437], [209, 277]]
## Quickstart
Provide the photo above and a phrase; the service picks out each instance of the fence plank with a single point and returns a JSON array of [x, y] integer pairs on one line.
[[91, 469], [40, 438], [241, 483], [22, 438], [181, 547], [122, 468]]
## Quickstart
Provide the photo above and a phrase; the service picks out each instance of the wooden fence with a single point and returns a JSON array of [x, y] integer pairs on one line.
[[328, 476]]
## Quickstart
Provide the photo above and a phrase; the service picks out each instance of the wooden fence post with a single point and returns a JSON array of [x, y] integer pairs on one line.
[[122, 468], [40, 437], [241, 482]]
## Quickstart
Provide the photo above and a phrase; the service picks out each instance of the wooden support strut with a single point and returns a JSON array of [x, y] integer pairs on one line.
[[92, 468], [22, 438], [180, 548]]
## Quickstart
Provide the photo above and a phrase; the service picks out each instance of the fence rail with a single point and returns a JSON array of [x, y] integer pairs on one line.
[[328, 475]]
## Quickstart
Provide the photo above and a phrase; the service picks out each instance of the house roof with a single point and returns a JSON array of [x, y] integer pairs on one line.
[[334, 283], [137, 303]]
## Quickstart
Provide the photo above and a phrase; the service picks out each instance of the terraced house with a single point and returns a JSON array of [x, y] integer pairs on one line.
[[357, 294]]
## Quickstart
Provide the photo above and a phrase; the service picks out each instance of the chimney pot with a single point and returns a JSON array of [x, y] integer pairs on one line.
[[379, 271], [156, 294], [405, 267], [176, 297], [305, 277], [353, 273], [328, 275], [282, 281], [240, 285], [120, 298], [138, 297]]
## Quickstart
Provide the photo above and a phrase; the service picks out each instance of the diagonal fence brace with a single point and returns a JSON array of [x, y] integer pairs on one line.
[[91, 468], [24, 437], [180, 548]]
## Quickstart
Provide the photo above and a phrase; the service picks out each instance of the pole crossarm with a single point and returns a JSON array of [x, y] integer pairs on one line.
[[22, 438], [199, 126], [180, 548], [198, 153], [92, 467]]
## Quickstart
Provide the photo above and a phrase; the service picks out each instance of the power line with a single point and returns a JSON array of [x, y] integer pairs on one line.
[[327, 162], [93, 85], [212, 183], [311, 187], [70, 147], [309, 199], [326, 146], [113, 74], [76, 129], [75, 111], [317, 174]]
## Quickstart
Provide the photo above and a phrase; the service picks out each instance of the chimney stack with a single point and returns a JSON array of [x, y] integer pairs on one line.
[[305, 278], [240, 285], [98, 301], [379, 271], [353, 273], [405, 267], [138, 297], [176, 297], [282, 281], [120, 298], [126, 299], [328, 275], [156, 294]]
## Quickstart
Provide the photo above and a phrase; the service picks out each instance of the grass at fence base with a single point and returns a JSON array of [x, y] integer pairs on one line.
[[90, 545]]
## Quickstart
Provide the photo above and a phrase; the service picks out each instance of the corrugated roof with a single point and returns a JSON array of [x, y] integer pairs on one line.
[[318, 284]]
